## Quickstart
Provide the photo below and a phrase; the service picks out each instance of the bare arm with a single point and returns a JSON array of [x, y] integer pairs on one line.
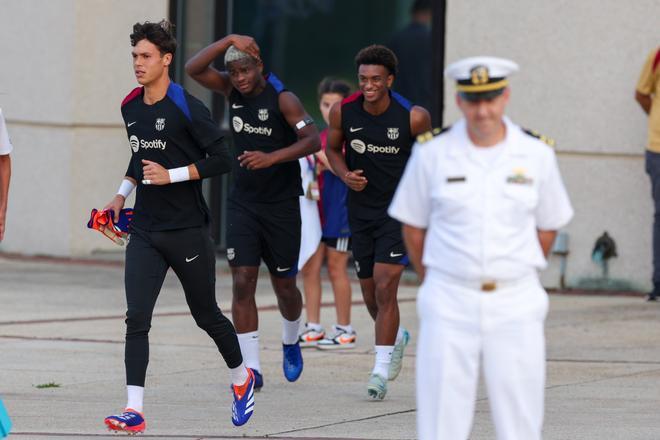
[[420, 121], [644, 101], [199, 66], [5, 176], [323, 159], [414, 240], [353, 179], [308, 137], [546, 238]]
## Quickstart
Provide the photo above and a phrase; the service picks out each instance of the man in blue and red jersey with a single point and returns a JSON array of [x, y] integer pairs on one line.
[[271, 130], [174, 144], [379, 128]]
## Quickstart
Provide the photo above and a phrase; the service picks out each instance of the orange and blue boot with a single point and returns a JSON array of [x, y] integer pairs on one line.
[[243, 406], [130, 421]]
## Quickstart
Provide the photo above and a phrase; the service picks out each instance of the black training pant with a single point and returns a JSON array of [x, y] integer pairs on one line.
[[190, 253]]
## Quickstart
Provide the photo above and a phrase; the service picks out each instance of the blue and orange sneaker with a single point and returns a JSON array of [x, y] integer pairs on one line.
[[130, 422], [258, 379], [292, 362], [243, 406]]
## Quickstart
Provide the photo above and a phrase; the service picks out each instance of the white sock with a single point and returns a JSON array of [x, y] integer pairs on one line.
[[314, 326], [345, 328], [135, 397], [290, 331], [383, 360], [249, 343], [239, 374], [399, 335]]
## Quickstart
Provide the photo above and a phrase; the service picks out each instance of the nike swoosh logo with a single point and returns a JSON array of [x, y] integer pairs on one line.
[[236, 106], [353, 130], [188, 260], [130, 123], [279, 269], [393, 255]]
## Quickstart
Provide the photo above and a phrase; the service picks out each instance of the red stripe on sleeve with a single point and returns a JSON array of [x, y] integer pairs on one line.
[[131, 96], [351, 98], [656, 61]]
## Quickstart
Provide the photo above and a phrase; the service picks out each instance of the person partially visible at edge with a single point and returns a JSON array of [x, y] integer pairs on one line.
[[412, 47], [271, 131], [378, 127], [174, 144], [647, 94], [335, 242], [5, 173]]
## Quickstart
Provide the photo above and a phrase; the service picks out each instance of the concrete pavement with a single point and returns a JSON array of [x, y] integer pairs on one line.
[[62, 323]]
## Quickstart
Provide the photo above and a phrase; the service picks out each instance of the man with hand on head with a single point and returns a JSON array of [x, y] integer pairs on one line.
[[271, 131]]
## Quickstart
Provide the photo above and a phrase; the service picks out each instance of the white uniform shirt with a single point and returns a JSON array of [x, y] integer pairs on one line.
[[5, 144], [482, 219]]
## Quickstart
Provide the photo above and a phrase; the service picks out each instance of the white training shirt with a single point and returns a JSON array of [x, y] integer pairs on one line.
[[482, 218], [5, 143]]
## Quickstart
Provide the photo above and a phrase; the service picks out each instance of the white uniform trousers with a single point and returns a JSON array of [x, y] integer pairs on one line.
[[461, 326]]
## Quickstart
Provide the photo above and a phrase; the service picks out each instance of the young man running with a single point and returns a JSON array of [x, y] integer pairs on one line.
[[175, 144], [379, 128], [271, 130]]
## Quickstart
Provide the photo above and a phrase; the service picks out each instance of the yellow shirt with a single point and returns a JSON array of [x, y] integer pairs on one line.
[[649, 84]]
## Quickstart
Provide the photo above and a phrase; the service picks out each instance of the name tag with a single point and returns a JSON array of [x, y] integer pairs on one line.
[[520, 180], [456, 179]]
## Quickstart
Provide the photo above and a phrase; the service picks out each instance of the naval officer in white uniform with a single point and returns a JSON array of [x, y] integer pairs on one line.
[[480, 205]]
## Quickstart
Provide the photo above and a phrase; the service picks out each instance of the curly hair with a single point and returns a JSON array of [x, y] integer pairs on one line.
[[334, 85], [161, 34], [377, 55]]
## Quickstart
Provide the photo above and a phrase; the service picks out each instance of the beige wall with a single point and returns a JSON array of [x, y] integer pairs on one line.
[[70, 67], [579, 67]]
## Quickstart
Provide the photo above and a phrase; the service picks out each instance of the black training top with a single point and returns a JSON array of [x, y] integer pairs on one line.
[[174, 132], [258, 124], [379, 145]]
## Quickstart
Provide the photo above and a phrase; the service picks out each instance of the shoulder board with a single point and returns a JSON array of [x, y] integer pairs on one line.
[[539, 136], [425, 137]]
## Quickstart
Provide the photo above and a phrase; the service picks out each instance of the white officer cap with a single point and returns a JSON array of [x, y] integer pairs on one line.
[[481, 77]]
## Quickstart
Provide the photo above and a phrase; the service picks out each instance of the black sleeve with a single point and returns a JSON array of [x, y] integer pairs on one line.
[[209, 138], [130, 171]]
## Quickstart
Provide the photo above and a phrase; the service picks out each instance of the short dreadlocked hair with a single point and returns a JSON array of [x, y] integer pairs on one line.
[[232, 54], [377, 55], [160, 34]]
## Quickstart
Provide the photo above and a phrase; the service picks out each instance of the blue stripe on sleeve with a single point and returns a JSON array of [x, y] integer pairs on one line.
[[275, 82], [176, 94], [401, 100]]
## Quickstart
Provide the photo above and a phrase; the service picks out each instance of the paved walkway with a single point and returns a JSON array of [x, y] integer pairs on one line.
[[62, 323]]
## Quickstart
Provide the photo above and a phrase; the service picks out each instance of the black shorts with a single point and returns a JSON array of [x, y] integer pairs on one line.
[[340, 244], [377, 241], [268, 231]]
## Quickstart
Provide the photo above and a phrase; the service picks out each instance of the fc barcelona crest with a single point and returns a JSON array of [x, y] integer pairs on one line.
[[393, 133], [263, 114], [160, 124]]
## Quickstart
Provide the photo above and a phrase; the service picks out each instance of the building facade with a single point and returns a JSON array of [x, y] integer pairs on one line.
[[67, 66]]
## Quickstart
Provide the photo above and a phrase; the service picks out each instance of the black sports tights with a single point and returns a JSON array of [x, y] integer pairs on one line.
[[190, 253]]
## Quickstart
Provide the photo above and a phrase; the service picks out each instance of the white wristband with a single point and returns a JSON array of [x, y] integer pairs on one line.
[[126, 188], [180, 174]]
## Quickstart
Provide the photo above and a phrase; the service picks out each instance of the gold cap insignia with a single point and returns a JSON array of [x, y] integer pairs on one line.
[[479, 75]]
